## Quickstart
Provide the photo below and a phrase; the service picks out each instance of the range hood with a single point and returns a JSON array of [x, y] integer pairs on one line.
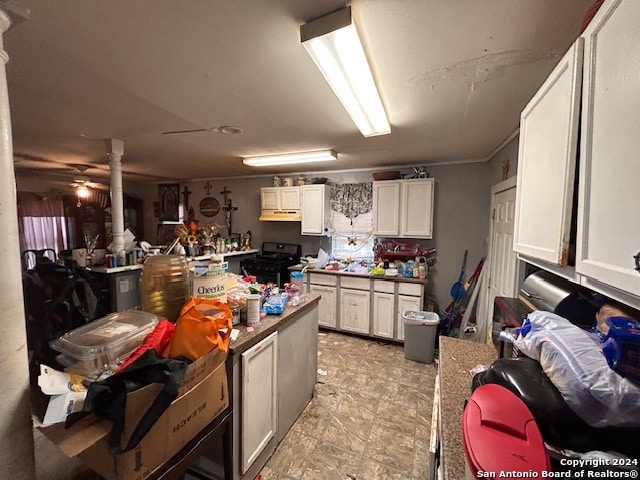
[[281, 215]]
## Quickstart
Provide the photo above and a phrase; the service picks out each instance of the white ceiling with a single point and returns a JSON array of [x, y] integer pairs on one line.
[[453, 75]]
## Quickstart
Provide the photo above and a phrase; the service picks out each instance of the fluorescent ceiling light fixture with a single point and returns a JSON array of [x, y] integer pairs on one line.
[[333, 43], [291, 158]]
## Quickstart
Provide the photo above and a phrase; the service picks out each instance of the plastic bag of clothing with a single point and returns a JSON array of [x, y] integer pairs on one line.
[[573, 361]]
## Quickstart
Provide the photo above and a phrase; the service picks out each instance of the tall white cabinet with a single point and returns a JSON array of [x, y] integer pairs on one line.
[[609, 196], [607, 209], [547, 162], [403, 208]]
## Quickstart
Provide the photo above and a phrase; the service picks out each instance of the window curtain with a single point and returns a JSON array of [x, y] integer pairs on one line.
[[351, 220], [41, 223], [352, 199]]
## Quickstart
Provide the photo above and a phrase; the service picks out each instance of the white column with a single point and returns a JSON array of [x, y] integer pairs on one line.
[[16, 430], [115, 150]]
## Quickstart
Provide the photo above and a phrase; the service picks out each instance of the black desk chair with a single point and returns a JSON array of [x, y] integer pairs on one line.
[[31, 258]]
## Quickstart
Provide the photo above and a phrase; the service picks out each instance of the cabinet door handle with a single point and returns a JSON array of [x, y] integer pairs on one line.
[[637, 258]]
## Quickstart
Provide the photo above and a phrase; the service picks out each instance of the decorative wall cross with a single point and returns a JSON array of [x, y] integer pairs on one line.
[[208, 187], [185, 196], [226, 193], [228, 208]]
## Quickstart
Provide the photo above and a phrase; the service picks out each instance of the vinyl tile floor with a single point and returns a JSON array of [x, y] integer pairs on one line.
[[369, 418]]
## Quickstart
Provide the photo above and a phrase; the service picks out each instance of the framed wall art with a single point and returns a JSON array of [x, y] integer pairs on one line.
[[166, 233], [169, 202]]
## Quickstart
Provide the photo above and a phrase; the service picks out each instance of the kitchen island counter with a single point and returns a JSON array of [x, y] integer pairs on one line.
[[456, 359], [274, 369], [271, 323]]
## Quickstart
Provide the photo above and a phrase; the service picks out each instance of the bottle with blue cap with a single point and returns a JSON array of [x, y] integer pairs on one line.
[[297, 278]]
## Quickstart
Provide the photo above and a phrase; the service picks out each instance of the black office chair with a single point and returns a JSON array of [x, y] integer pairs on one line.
[[31, 258]]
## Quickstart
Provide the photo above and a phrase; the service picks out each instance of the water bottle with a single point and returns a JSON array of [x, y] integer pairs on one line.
[[297, 279]]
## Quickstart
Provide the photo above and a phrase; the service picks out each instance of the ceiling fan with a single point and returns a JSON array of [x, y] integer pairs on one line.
[[224, 129], [81, 182]]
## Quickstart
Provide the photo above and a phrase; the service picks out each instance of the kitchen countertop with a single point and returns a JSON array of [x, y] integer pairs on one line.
[[271, 323], [126, 268], [457, 357], [362, 275]]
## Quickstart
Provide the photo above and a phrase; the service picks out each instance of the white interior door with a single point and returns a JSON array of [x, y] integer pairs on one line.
[[502, 260]]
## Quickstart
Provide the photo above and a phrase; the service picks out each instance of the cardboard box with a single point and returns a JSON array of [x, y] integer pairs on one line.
[[202, 396]]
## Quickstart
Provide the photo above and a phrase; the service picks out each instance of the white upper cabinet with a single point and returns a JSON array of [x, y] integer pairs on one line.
[[546, 163], [403, 208], [315, 209], [386, 208], [280, 198], [416, 210], [609, 199]]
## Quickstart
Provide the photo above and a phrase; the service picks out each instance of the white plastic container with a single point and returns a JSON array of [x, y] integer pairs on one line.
[[103, 343]]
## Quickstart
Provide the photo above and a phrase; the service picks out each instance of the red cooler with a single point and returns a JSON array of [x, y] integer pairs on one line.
[[500, 434]]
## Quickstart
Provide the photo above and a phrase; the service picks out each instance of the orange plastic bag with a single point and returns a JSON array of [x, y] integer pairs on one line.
[[198, 328]]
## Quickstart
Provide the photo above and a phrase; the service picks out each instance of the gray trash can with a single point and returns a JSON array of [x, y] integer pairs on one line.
[[420, 335]]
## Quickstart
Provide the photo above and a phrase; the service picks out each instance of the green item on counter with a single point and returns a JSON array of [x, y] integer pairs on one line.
[[377, 271]]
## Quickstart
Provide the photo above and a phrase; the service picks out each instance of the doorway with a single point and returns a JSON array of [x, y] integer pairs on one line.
[[504, 267]]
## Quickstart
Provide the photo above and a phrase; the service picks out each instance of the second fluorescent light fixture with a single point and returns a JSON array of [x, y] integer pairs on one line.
[[333, 43], [290, 158]]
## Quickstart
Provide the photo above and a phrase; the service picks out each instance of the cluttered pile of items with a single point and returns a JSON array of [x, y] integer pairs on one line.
[[568, 397], [114, 378]]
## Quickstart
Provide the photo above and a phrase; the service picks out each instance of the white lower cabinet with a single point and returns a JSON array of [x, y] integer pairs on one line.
[[410, 297], [259, 398], [384, 309], [365, 305], [354, 308], [405, 302], [326, 286]]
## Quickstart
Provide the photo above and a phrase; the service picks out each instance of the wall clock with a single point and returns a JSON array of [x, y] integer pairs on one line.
[[209, 207]]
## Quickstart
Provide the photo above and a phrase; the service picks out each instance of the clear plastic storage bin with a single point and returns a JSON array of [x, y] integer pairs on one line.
[[103, 343]]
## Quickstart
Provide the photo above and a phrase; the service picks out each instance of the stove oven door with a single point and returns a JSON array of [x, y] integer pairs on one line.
[[264, 272]]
